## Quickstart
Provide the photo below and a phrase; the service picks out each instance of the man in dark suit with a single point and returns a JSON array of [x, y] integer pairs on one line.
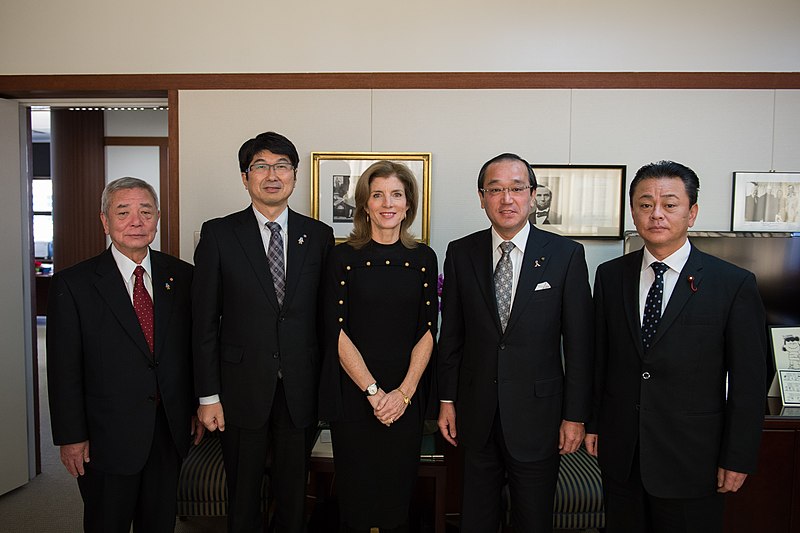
[[671, 433], [256, 344], [512, 294], [119, 369]]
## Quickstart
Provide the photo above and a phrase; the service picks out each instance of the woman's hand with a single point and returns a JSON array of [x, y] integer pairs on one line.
[[391, 407]]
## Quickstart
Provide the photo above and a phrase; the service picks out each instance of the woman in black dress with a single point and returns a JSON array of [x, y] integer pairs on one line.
[[380, 326]]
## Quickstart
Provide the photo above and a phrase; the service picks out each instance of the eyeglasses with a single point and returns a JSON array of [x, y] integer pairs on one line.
[[262, 169], [513, 191]]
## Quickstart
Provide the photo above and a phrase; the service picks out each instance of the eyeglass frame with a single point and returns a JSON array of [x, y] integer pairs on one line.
[[271, 168], [497, 191]]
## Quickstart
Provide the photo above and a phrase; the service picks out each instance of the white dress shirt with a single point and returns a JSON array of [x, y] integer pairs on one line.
[[126, 267], [676, 261]]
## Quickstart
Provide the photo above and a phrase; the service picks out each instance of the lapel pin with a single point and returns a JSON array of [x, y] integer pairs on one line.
[[536, 263], [167, 284], [302, 239], [690, 279]]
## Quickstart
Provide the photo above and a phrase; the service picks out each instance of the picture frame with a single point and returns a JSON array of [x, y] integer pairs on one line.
[[585, 201], [785, 344], [766, 201], [333, 179]]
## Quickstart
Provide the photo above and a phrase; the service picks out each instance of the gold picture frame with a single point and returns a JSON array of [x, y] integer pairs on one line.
[[333, 179]]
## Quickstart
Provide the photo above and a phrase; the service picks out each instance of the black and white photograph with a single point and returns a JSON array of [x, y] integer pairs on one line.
[[344, 197], [786, 347], [766, 201], [584, 201]]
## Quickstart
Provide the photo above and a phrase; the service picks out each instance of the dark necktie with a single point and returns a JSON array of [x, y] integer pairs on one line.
[[143, 305], [275, 260], [503, 280], [652, 306]]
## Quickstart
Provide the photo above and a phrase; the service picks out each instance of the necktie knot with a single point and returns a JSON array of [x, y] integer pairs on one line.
[[506, 247], [273, 227], [659, 268], [139, 272]]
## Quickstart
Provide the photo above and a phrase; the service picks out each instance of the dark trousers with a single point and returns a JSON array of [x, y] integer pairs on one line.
[[532, 485], [245, 454], [148, 499], [631, 509]]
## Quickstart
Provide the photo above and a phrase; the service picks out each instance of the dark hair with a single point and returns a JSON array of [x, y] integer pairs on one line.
[[668, 169], [274, 142], [790, 338], [507, 157], [362, 230]]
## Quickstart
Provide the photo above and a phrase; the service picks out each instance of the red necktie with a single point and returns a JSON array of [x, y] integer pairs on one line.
[[143, 305]]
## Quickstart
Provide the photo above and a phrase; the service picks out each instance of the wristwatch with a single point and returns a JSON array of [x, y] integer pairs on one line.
[[371, 390]]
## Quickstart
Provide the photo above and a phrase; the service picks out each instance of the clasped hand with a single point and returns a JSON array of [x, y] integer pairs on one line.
[[387, 407]]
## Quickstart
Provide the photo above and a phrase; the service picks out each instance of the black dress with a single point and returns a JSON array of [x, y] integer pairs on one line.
[[384, 298]]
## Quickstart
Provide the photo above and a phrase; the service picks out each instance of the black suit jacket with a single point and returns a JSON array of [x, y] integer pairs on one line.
[[519, 372], [241, 335], [102, 381], [671, 399]]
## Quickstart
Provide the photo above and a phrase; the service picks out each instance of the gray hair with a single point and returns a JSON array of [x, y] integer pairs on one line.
[[121, 184]]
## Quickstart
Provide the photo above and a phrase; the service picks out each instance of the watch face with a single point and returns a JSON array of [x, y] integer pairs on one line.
[[372, 390]]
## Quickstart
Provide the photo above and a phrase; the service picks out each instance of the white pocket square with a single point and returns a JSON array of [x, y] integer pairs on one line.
[[542, 286]]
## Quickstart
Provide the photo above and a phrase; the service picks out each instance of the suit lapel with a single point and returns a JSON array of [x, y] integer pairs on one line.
[[681, 293], [162, 299], [249, 235], [534, 265], [295, 254], [631, 272], [112, 289], [482, 265]]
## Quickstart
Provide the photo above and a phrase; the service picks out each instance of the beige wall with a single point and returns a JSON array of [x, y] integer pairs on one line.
[[178, 36], [716, 132]]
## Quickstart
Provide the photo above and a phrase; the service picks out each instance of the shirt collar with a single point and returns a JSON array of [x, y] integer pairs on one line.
[[282, 219], [126, 266], [519, 240], [675, 261]]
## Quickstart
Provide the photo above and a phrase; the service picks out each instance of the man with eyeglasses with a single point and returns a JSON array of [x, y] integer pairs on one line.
[[255, 336], [512, 295]]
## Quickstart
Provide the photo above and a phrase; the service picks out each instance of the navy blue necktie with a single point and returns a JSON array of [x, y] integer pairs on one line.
[[652, 306]]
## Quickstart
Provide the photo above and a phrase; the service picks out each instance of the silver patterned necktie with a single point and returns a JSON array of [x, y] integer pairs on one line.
[[275, 260], [503, 280], [652, 306]]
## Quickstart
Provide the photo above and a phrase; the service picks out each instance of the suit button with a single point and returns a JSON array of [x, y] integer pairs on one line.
[[151, 398], [646, 375], [502, 346], [494, 381], [276, 355], [637, 406], [151, 366], [282, 318]]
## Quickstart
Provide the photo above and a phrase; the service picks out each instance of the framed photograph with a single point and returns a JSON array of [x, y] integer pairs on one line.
[[333, 184], [766, 201], [785, 342], [583, 201]]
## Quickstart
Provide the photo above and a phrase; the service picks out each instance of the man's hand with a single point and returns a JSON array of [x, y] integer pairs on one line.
[[729, 481], [447, 422], [74, 455], [570, 436], [211, 416], [197, 429], [591, 443]]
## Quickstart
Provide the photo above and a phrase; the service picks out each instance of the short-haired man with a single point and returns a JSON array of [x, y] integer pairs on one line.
[[256, 336], [119, 369], [512, 294], [681, 351]]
